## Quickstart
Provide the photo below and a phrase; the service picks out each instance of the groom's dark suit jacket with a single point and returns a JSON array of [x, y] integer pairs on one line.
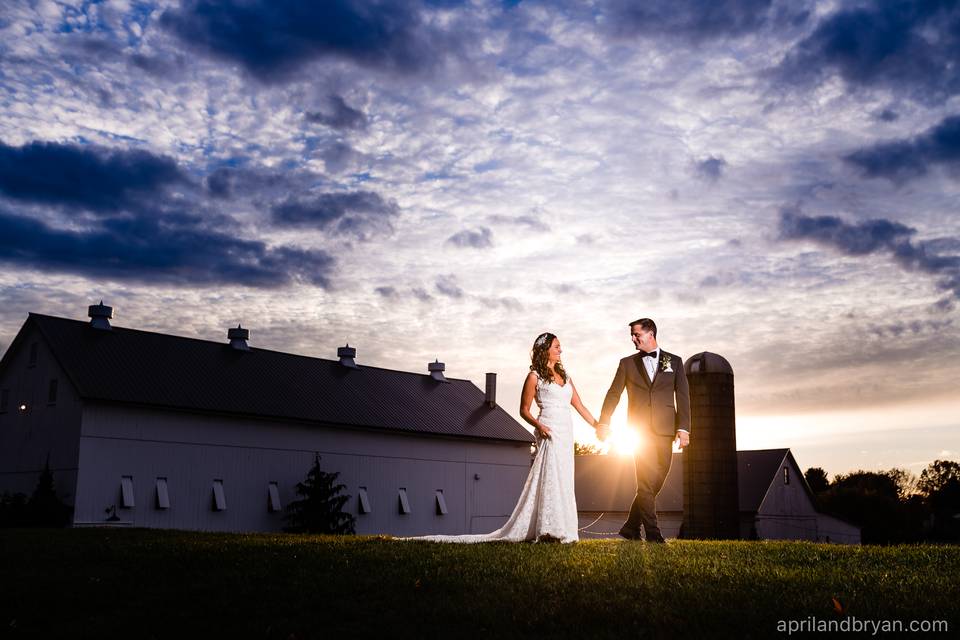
[[651, 405]]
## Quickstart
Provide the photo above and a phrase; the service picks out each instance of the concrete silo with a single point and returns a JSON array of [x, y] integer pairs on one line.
[[710, 499]]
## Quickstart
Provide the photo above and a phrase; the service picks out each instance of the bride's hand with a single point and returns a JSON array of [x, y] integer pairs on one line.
[[603, 431], [543, 431]]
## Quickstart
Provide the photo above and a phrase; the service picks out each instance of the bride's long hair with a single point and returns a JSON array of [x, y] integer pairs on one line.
[[539, 358]]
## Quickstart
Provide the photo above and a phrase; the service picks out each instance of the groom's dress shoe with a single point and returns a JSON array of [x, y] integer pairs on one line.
[[657, 539], [630, 534]]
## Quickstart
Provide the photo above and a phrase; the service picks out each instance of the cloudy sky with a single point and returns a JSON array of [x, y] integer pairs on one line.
[[776, 182]]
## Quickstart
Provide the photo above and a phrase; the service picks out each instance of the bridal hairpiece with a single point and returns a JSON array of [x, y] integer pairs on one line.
[[541, 340]]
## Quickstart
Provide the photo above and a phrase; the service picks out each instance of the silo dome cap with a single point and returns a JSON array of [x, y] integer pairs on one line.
[[706, 362]]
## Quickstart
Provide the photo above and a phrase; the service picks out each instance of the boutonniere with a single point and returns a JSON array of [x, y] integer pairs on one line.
[[665, 364]]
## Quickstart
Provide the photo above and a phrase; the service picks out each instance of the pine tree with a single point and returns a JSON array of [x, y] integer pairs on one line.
[[320, 509], [44, 509]]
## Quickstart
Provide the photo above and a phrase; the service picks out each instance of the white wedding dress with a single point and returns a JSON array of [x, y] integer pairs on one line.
[[547, 509]]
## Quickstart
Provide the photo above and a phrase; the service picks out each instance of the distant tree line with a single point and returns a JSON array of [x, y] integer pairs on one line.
[[584, 449], [894, 506]]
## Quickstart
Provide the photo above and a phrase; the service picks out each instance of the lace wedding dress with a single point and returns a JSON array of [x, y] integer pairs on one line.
[[547, 509]]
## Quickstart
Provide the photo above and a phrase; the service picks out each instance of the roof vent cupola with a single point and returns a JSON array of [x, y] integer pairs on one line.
[[100, 316], [436, 369], [347, 355], [238, 338]]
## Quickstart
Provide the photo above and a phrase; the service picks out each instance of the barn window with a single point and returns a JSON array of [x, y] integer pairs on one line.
[[404, 503], [126, 492], [4, 400], [364, 500], [52, 392], [786, 475], [273, 497], [163, 495], [441, 503], [219, 499], [32, 362]]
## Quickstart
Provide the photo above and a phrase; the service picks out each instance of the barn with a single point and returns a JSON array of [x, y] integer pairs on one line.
[[153, 430]]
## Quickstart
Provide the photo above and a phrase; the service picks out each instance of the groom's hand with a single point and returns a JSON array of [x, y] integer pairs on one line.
[[683, 438], [603, 431]]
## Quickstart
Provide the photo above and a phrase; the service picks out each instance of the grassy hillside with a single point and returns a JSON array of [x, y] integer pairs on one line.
[[164, 584]]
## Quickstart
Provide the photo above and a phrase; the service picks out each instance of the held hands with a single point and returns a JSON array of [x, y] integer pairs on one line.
[[683, 438], [603, 431]]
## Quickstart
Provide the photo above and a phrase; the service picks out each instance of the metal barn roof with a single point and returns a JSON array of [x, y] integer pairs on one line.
[[144, 368]]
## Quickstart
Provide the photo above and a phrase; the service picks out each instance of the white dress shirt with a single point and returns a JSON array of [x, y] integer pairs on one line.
[[650, 363]]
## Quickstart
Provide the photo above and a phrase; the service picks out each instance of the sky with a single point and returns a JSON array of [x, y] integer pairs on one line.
[[772, 181]]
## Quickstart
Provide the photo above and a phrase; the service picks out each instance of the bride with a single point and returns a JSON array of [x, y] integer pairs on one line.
[[547, 509]]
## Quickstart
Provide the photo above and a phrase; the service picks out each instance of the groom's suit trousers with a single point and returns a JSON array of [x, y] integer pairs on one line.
[[652, 463]]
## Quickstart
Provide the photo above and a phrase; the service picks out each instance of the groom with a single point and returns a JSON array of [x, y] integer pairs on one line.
[[658, 407]]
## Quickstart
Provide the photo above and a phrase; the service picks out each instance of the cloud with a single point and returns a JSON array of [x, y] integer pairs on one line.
[[853, 239], [695, 20], [163, 249], [221, 183], [421, 294], [903, 160], [151, 225], [887, 115], [88, 177], [169, 66], [900, 329], [480, 238], [710, 168], [878, 236], [508, 303], [258, 182], [361, 214], [338, 156], [393, 294], [339, 116], [909, 47], [447, 285], [389, 293], [731, 279], [274, 39], [532, 222], [567, 288]]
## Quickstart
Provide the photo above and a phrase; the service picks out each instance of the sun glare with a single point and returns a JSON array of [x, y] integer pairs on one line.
[[623, 441]]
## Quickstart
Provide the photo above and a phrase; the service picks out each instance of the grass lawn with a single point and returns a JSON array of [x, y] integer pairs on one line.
[[171, 584]]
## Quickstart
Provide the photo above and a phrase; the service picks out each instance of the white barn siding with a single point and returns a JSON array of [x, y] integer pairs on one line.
[[493, 496], [787, 512], [28, 438], [191, 451], [830, 529]]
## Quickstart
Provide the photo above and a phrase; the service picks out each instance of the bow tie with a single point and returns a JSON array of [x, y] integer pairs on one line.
[[645, 354]]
